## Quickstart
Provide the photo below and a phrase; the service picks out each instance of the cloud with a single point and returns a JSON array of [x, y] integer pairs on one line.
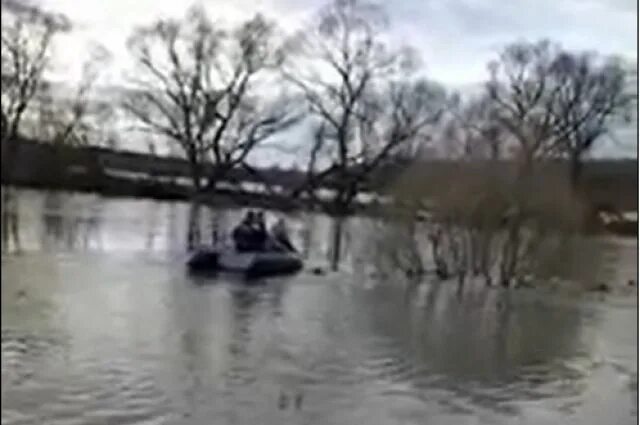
[[456, 37]]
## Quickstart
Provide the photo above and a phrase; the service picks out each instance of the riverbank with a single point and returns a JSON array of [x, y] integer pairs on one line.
[[119, 187], [108, 173]]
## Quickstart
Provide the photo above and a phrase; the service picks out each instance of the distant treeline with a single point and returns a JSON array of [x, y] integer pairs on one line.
[[217, 92], [608, 183]]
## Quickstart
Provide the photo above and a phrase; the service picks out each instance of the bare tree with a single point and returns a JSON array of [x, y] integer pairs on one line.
[[398, 120], [592, 95], [471, 130], [196, 86], [554, 102], [345, 71], [507, 220], [68, 119], [522, 94], [27, 35], [470, 232]]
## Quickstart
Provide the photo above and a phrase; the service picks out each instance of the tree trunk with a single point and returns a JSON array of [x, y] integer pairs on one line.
[[343, 200], [339, 202], [509, 261], [336, 244], [193, 230], [10, 155], [196, 177], [485, 257], [575, 170]]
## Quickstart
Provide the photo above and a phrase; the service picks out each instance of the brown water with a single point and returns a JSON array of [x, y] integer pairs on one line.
[[101, 324]]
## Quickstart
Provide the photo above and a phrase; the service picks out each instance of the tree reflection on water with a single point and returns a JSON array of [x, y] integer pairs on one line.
[[10, 221]]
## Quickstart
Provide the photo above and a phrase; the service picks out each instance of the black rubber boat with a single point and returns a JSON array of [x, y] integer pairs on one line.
[[249, 264]]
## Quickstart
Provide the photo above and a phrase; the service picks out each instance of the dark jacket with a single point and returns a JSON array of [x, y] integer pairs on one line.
[[248, 238]]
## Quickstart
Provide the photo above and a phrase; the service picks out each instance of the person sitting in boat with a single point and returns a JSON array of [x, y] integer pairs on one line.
[[251, 235], [280, 236], [244, 235], [259, 230]]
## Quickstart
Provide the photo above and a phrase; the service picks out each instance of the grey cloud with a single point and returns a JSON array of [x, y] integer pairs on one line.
[[498, 19], [456, 37], [459, 36]]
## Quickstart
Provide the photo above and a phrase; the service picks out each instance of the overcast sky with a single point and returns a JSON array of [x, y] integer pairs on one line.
[[456, 37]]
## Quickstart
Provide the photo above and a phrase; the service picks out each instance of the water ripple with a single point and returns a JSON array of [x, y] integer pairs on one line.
[[122, 338]]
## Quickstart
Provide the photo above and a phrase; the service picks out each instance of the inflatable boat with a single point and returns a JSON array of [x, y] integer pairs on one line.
[[250, 264]]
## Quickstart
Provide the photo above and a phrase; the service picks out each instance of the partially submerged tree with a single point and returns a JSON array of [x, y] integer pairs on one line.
[[506, 210], [470, 233], [197, 84], [551, 103], [361, 92]]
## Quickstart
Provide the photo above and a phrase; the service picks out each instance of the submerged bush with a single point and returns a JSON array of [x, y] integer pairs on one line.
[[483, 219]]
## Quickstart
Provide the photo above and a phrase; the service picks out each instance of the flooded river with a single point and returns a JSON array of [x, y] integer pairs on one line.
[[101, 324]]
